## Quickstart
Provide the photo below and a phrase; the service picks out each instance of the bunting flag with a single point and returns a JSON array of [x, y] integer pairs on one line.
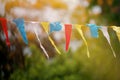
[[45, 25], [41, 44], [78, 28], [20, 25], [94, 30], [106, 35], [55, 27], [3, 22], [68, 30], [117, 30]]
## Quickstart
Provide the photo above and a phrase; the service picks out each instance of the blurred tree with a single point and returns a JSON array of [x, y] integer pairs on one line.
[[110, 10], [80, 15], [102, 65], [62, 67], [39, 4], [10, 58]]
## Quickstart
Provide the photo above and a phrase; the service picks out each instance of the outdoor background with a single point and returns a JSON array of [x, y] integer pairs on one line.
[[28, 62]]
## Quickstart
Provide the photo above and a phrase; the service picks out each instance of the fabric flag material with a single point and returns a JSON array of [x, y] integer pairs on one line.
[[4, 27], [105, 33], [78, 28], [117, 30], [55, 26], [20, 25], [45, 25], [94, 30], [41, 44], [68, 31]]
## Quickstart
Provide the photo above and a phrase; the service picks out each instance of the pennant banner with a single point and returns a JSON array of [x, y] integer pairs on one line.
[[55, 26], [45, 25], [20, 25], [78, 28], [94, 30], [68, 30], [3, 22], [105, 33]]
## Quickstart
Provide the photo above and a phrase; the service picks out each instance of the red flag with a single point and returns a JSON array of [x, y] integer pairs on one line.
[[4, 27], [68, 30]]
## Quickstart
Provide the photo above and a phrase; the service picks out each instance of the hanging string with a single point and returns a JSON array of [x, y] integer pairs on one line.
[[27, 21]]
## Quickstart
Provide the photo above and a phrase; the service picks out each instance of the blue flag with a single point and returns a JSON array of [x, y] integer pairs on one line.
[[55, 26], [94, 30], [20, 25]]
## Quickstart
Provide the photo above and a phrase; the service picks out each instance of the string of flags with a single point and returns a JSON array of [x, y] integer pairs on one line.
[[56, 26]]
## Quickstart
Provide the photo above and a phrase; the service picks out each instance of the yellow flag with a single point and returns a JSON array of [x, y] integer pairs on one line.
[[78, 28], [117, 30], [45, 25]]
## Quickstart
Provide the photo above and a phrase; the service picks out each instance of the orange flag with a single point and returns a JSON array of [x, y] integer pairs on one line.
[[68, 30]]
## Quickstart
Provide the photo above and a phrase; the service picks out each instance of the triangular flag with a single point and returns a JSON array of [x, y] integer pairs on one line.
[[4, 27], [117, 30], [105, 33], [68, 30], [41, 44], [45, 25], [55, 26], [94, 30], [20, 25], [78, 27]]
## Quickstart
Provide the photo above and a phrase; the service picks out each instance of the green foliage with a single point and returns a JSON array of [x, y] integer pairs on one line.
[[74, 65], [63, 67], [110, 11]]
